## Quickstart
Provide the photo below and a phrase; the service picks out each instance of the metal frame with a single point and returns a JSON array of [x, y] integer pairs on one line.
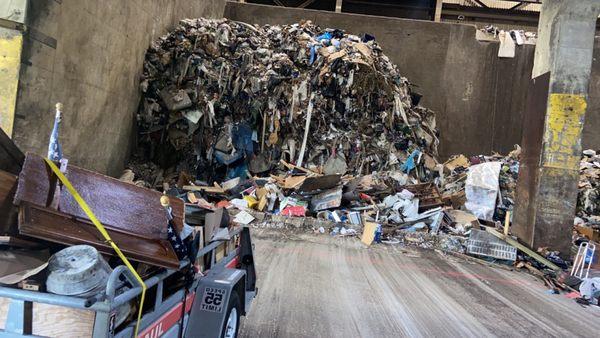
[[18, 323], [586, 251]]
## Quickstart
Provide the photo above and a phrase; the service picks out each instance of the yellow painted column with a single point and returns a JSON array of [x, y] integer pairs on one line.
[[11, 45], [562, 135]]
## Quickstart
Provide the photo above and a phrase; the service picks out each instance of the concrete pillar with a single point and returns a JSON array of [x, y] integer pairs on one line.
[[12, 20], [338, 6], [547, 189], [438, 10]]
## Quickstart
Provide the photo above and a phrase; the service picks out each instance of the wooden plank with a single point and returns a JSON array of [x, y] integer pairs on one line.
[[11, 157], [8, 212], [523, 248], [292, 166], [54, 226], [55, 321], [368, 233], [208, 189], [19, 242], [118, 205]]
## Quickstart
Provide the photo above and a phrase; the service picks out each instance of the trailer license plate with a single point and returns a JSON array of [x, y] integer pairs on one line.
[[212, 299]]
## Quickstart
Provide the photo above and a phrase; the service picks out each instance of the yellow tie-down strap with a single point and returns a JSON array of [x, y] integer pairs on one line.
[[86, 208]]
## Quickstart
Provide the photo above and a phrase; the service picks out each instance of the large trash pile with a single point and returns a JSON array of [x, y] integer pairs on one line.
[[309, 127], [222, 98], [587, 222]]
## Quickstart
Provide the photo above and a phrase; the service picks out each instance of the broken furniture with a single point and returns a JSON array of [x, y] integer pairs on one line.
[[132, 215]]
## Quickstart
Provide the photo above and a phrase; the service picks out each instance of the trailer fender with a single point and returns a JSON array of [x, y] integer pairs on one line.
[[210, 304]]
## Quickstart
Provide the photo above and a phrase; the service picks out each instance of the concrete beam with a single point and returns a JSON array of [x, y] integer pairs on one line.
[[12, 16], [438, 10], [547, 190], [338, 6]]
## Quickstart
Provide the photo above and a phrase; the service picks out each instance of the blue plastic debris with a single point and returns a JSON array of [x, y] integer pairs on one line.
[[238, 171], [410, 162], [378, 234], [325, 37], [241, 136]]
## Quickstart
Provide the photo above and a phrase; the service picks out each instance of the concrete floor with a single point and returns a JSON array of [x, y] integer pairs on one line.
[[318, 286]]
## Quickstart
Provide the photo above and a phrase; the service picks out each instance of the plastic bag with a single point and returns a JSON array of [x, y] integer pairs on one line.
[[481, 189]]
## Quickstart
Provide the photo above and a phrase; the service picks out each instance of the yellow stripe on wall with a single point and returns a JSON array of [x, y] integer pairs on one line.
[[11, 45]]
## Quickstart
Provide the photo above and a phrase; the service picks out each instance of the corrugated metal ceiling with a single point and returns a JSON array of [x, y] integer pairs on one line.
[[497, 4]]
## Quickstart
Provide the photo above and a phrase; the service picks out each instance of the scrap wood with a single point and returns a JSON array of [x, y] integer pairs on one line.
[[368, 234], [54, 226], [531, 269], [118, 205], [292, 182], [230, 184], [565, 286], [191, 197], [279, 180], [455, 162], [548, 282], [216, 189], [523, 248], [589, 232], [19, 242], [293, 166]]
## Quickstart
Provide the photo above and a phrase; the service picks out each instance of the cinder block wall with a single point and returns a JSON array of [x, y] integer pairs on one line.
[[479, 98], [88, 54]]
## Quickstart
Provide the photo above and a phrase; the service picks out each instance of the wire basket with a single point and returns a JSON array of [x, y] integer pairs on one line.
[[481, 243]]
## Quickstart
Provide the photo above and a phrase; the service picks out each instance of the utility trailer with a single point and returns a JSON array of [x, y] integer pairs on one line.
[[208, 306]]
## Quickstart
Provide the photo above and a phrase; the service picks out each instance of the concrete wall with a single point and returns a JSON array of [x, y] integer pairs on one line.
[[591, 136], [478, 97], [89, 55]]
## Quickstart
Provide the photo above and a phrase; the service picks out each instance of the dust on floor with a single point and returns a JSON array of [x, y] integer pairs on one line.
[[322, 286]]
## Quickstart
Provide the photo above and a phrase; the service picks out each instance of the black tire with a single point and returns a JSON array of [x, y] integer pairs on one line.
[[234, 303]]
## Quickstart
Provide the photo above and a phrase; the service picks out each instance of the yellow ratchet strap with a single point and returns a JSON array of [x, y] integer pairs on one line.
[[86, 208]]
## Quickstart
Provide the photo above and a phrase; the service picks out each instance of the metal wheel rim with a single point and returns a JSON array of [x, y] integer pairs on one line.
[[231, 327]]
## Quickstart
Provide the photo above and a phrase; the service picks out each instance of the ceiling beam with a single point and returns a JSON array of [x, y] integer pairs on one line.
[[518, 6], [481, 3], [525, 1]]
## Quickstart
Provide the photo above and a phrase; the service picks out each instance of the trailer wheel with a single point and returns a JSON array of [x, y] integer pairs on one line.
[[232, 321]]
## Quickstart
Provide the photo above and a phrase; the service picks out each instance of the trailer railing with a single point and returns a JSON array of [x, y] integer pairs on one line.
[[19, 318]]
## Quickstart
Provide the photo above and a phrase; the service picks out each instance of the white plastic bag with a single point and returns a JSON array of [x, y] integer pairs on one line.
[[481, 189]]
